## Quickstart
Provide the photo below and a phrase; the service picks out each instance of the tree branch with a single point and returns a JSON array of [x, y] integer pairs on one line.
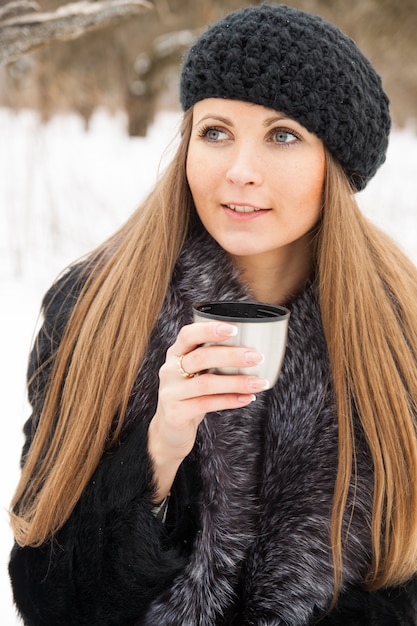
[[23, 33]]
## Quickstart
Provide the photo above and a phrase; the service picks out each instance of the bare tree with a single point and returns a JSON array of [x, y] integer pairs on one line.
[[133, 66], [24, 29]]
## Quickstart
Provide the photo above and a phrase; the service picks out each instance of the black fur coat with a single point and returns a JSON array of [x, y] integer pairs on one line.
[[246, 539]]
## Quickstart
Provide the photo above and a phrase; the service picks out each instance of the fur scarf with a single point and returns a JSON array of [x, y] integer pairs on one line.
[[268, 472]]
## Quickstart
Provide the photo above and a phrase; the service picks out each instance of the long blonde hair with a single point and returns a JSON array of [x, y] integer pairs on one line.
[[368, 295], [368, 291]]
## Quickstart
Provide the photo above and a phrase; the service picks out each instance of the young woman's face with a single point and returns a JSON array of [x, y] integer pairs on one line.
[[256, 177]]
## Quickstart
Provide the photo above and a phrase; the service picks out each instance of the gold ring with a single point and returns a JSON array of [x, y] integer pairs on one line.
[[181, 370]]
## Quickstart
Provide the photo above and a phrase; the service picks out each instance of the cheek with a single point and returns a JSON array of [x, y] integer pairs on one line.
[[306, 195], [202, 175], [189, 171], [320, 169], [318, 179], [313, 176], [194, 172]]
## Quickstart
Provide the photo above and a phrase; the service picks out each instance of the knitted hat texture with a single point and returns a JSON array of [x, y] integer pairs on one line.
[[299, 64]]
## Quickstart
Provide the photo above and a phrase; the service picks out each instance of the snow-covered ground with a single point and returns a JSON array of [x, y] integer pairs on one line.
[[62, 191]]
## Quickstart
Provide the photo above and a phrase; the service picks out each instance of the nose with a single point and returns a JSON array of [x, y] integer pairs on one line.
[[245, 166]]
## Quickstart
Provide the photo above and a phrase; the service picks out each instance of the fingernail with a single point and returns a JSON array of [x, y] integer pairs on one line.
[[259, 384], [253, 358], [227, 330], [244, 399]]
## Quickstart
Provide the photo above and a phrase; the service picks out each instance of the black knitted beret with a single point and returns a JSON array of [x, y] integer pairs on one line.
[[299, 64]]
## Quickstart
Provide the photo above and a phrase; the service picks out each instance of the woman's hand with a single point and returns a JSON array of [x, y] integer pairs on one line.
[[187, 391]]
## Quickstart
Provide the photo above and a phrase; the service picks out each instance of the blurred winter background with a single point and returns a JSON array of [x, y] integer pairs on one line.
[[86, 125]]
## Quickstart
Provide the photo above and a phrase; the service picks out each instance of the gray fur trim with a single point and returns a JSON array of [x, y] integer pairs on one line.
[[268, 475]]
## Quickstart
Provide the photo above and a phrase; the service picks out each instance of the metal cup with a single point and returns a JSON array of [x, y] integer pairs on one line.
[[262, 327]]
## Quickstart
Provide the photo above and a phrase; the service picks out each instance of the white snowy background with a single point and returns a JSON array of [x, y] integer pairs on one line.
[[63, 189]]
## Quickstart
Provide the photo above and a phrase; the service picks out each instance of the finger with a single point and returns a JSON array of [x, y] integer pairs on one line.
[[182, 411], [199, 406], [223, 402], [211, 356], [174, 391], [208, 384], [195, 334]]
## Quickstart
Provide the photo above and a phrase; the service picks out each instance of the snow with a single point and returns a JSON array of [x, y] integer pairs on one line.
[[63, 189]]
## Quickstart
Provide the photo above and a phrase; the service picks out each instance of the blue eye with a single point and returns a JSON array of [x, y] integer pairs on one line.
[[212, 134], [282, 135]]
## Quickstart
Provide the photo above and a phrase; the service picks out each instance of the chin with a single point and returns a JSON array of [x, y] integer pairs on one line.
[[242, 250]]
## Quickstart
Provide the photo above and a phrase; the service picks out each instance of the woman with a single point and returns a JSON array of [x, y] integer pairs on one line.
[[155, 492]]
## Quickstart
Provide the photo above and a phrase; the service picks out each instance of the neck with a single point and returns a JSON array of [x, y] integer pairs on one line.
[[279, 276]]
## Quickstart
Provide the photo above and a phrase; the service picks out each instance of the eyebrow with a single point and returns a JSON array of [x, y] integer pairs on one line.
[[224, 120], [277, 118], [211, 116]]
